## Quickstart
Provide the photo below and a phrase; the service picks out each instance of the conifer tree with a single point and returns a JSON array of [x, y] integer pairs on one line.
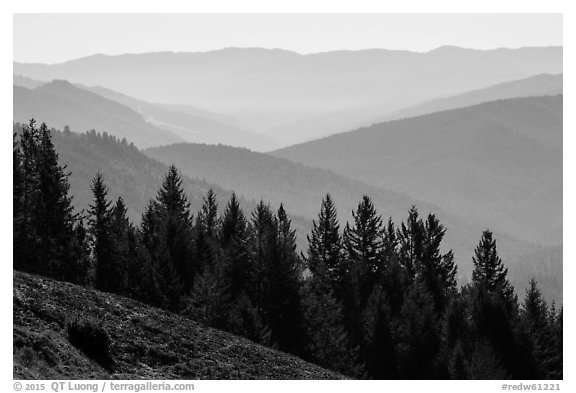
[[393, 277], [18, 213], [363, 243], [206, 231], [437, 270], [535, 323], [410, 236], [45, 239], [165, 286], [389, 249], [494, 310], [149, 248], [263, 238], [489, 272], [79, 271], [176, 264], [53, 210], [210, 299], [233, 239], [26, 238], [325, 247], [100, 228], [553, 364], [125, 248], [285, 314], [378, 336], [245, 320], [327, 341], [16, 179], [416, 335], [534, 309]]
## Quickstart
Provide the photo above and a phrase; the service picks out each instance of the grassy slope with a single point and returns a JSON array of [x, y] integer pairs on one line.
[[147, 343]]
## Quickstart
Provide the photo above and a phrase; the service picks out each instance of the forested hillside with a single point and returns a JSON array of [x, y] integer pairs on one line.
[[262, 176], [132, 175], [62, 104], [537, 85], [372, 298], [189, 123], [497, 164]]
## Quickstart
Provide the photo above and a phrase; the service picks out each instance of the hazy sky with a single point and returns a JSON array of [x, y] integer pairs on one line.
[[50, 38]]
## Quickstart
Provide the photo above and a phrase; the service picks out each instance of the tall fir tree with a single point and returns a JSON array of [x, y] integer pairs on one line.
[[363, 245], [53, 211], [233, 239], [149, 249], [325, 251], [263, 235], [379, 350], [125, 248], [103, 240], [26, 242], [45, 240], [326, 338], [416, 335], [176, 260], [410, 236], [489, 271], [206, 231], [19, 235], [285, 316], [536, 330], [438, 271], [393, 277], [494, 309]]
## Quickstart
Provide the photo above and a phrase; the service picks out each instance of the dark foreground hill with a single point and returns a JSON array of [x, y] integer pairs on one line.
[[145, 342]]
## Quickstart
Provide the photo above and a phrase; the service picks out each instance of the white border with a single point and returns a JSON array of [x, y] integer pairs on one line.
[[421, 6]]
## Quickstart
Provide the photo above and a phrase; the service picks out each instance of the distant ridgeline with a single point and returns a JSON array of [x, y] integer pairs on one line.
[[373, 300]]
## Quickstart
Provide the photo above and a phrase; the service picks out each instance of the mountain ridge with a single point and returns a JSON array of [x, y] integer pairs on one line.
[[500, 143], [267, 89], [60, 103]]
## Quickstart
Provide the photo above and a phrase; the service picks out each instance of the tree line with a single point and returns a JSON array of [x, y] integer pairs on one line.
[[371, 300]]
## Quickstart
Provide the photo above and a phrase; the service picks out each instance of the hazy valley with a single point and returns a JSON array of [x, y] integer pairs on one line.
[[473, 139]]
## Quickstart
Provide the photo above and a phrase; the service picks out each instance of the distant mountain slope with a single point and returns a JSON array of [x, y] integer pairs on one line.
[[498, 164], [342, 121], [271, 89], [189, 123], [549, 271], [538, 85], [262, 176], [300, 188], [127, 172], [134, 176], [59, 103], [146, 342], [28, 83]]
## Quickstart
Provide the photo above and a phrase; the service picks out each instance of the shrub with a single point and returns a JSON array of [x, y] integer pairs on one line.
[[93, 340]]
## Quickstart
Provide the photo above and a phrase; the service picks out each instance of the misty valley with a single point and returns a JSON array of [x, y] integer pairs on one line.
[[251, 213]]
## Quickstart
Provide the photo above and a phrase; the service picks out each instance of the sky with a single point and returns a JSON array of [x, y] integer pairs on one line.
[[54, 38]]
